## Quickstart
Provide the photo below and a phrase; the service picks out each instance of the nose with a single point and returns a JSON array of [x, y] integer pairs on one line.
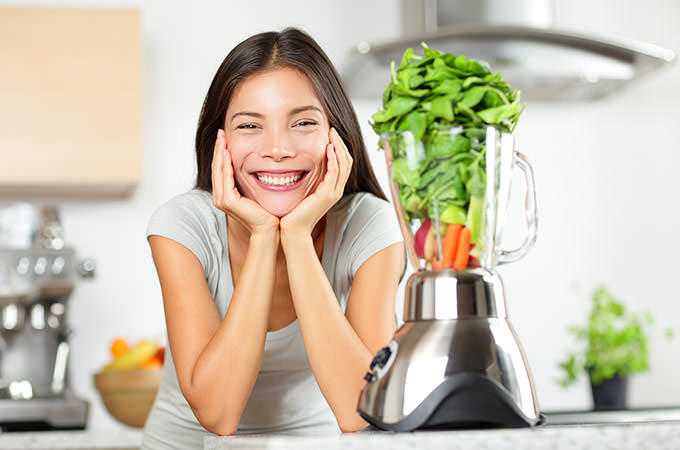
[[276, 147]]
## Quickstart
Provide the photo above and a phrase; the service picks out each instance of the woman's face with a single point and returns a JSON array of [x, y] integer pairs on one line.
[[277, 133]]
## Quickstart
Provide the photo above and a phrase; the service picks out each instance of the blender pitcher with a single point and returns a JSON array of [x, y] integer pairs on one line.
[[456, 361], [426, 201]]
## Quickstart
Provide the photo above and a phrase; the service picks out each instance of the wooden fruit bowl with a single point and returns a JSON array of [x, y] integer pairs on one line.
[[128, 394]]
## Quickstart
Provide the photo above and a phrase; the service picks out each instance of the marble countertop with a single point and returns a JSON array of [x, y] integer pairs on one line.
[[638, 430], [129, 439], [633, 436]]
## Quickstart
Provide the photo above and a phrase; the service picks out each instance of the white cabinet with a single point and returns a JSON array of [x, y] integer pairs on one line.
[[70, 101]]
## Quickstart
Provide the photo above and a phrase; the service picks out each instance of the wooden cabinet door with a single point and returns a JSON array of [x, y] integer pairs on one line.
[[70, 101]]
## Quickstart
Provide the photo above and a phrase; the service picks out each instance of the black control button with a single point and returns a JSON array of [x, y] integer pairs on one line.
[[381, 358], [369, 377]]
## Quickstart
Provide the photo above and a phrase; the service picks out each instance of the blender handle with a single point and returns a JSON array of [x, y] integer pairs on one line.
[[507, 256]]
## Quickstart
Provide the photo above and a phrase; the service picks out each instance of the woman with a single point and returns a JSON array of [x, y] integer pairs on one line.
[[279, 269]]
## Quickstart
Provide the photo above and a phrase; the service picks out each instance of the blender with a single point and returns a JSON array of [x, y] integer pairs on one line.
[[456, 362]]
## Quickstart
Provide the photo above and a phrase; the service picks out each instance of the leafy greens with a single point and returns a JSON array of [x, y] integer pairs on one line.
[[446, 102]]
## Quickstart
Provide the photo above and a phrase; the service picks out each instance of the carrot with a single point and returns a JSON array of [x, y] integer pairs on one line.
[[463, 251], [450, 243]]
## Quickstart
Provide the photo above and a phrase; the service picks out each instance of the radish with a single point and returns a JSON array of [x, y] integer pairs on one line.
[[421, 237], [426, 240]]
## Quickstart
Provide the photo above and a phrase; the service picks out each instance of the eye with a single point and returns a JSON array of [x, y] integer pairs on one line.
[[305, 123], [247, 126]]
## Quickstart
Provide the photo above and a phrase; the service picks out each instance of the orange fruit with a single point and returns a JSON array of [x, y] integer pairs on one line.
[[160, 354], [119, 346], [151, 363]]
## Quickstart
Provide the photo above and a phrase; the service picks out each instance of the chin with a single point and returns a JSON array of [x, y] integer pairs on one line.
[[278, 210]]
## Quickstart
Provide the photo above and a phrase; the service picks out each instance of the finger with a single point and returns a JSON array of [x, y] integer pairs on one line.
[[228, 172], [329, 178], [333, 168], [340, 162], [342, 157], [218, 162]]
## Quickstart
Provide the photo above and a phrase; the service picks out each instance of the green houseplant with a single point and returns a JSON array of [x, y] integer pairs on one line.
[[614, 344]]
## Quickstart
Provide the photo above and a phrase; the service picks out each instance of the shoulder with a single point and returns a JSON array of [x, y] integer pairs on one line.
[[363, 209], [191, 207], [188, 219], [360, 205], [366, 224], [194, 201]]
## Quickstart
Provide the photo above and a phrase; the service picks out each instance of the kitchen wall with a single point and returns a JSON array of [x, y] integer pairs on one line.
[[603, 174]]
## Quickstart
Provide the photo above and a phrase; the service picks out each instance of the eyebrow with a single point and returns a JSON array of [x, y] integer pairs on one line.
[[290, 113]]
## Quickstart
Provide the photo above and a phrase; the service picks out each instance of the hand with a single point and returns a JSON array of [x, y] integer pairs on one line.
[[311, 209], [227, 198]]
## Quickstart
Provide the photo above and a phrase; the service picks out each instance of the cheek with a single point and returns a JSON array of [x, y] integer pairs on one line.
[[240, 147], [312, 144]]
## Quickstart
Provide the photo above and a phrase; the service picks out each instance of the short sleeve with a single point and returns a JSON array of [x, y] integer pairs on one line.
[[182, 220], [374, 227]]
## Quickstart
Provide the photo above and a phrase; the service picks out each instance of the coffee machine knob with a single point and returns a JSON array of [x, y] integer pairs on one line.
[[58, 265], [86, 268], [40, 266], [24, 265], [56, 314], [20, 390], [12, 317], [38, 316]]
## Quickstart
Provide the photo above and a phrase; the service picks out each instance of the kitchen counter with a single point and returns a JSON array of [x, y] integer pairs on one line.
[[128, 439], [637, 436], [640, 429]]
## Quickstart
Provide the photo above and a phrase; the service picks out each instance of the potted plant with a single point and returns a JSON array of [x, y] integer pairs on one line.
[[614, 344]]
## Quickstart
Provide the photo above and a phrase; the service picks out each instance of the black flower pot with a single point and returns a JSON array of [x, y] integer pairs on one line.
[[610, 394]]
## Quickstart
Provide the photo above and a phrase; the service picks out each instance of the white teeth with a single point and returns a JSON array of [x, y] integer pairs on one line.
[[279, 181]]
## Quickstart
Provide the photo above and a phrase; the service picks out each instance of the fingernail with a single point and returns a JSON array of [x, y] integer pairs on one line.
[[224, 153], [334, 132]]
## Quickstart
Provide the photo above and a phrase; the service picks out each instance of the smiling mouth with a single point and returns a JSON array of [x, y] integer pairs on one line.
[[285, 178]]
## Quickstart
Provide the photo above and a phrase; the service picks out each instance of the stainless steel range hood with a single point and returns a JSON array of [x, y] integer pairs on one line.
[[515, 37]]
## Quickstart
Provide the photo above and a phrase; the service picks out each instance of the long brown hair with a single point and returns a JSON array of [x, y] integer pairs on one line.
[[289, 48]]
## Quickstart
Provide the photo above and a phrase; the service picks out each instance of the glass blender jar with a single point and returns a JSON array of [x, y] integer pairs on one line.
[[429, 197]]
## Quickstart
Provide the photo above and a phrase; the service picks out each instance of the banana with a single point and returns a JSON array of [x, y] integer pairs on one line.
[[134, 357]]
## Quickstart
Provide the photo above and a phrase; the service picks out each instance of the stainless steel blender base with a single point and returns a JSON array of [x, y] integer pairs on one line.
[[456, 362], [463, 401]]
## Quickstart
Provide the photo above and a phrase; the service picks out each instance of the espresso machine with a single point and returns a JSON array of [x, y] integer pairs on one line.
[[36, 282], [456, 362]]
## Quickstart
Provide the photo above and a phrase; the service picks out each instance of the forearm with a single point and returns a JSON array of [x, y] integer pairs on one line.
[[226, 370], [337, 355]]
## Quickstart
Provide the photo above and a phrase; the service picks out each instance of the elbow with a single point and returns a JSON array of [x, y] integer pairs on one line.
[[214, 419], [217, 423], [211, 414], [220, 429], [353, 424]]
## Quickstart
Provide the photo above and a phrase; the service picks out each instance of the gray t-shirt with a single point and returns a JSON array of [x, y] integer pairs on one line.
[[286, 396]]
